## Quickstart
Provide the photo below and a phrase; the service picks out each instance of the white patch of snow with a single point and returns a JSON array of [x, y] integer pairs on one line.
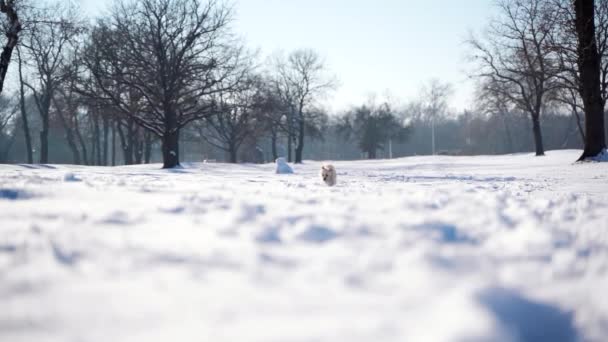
[[282, 166]]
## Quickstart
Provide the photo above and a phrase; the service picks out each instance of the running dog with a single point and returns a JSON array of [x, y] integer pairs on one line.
[[328, 174]]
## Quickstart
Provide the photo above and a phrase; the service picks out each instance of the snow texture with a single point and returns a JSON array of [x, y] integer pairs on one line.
[[282, 166], [503, 248]]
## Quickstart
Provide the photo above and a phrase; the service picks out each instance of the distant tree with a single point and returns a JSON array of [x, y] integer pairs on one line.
[[7, 137], [101, 83], [172, 55], [589, 65], [274, 114], [491, 100], [372, 127], [23, 110], [300, 81], [237, 118], [517, 57], [51, 31], [67, 105], [434, 99], [11, 31]]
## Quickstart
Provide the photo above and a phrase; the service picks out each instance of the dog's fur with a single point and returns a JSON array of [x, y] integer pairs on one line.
[[328, 174]]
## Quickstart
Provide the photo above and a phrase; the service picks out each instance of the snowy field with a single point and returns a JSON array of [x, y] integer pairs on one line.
[[505, 248]]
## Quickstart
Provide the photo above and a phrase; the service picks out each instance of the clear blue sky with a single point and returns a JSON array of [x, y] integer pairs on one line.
[[371, 46]]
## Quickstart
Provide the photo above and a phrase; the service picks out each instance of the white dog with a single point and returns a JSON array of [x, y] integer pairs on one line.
[[328, 174]]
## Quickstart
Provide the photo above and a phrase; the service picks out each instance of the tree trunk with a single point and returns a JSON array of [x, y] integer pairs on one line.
[[126, 147], [148, 147], [24, 119], [131, 141], [6, 150], [273, 141], [371, 154], [300, 145], [12, 35], [290, 136], [232, 153], [114, 127], [69, 134], [433, 136], [83, 144], [97, 137], [590, 85], [44, 133], [538, 137], [170, 139], [139, 150], [579, 126], [170, 148], [106, 131], [508, 134], [71, 142], [289, 142], [94, 132]]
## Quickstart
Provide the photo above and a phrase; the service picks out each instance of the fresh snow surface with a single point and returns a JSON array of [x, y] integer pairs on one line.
[[501, 248]]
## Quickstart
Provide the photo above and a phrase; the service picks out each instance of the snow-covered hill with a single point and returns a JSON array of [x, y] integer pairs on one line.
[[505, 248]]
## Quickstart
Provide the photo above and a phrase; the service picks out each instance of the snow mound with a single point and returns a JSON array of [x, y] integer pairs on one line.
[[71, 177], [283, 167]]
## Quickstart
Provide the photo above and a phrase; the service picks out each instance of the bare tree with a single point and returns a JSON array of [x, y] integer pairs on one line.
[[12, 29], [171, 54], [274, 113], [238, 117], [589, 65], [23, 109], [566, 43], [373, 126], [8, 110], [434, 97], [300, 81], [67, 105], [516, 56], [492, 101], [50, 31]]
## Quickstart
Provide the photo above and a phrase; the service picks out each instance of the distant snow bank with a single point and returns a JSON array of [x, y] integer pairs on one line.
[[283, 167]]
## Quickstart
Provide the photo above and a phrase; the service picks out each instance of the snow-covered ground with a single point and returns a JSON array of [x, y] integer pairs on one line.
[[504, 248]]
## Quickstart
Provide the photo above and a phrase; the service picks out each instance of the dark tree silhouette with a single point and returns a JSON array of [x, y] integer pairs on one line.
[[518, 58], [172, 55], [372, 127], [238, 117], [12, 34], [50, 33], [589, 63]]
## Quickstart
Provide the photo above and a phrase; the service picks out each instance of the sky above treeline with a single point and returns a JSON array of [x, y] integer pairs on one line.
[[373, 47]]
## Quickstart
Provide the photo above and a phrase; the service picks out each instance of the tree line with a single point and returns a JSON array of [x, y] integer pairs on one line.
[[145, 71], [149, 75]]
